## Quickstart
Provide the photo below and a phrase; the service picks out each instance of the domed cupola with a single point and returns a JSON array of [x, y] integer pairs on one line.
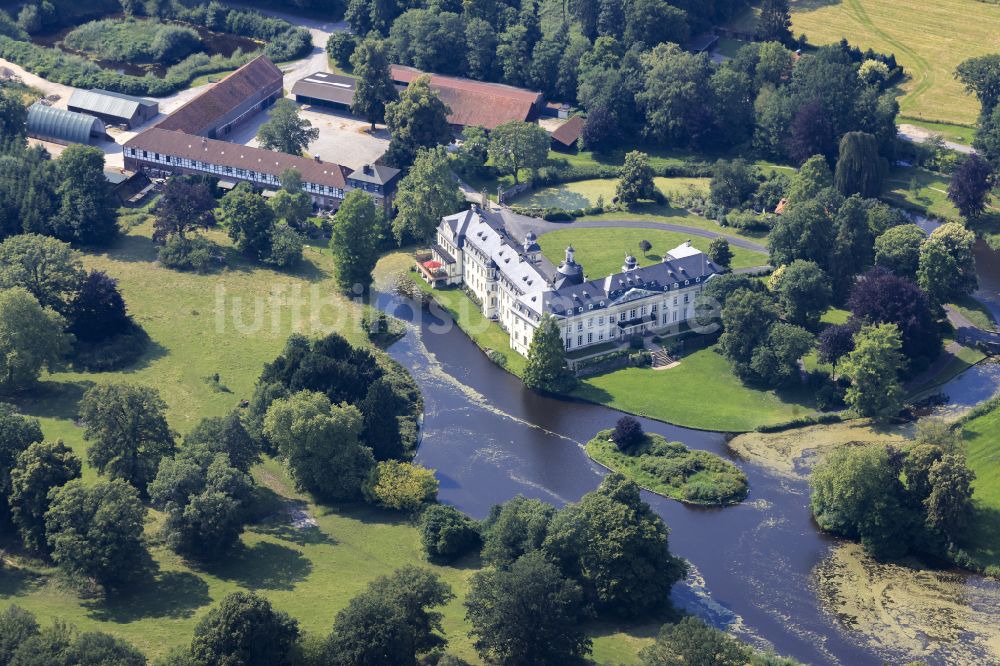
[[569, 271], [631, 263]]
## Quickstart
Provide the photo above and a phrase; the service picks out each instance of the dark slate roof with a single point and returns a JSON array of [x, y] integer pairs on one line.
[[329, 87], [379, 174]]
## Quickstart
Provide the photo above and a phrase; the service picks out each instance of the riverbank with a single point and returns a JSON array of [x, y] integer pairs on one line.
[[672, 470]]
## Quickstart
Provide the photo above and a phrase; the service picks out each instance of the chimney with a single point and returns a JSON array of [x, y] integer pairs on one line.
[[368, 170], [316, 157]]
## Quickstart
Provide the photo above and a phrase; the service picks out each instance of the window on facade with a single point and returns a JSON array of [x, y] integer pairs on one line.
[[600, 336], [675, 300], [579, 325], [590, 338], [664, 317], [579, 340], [621, 316], [686, 297], [590, 322], [642, 310], [675, 315], [631, 313]]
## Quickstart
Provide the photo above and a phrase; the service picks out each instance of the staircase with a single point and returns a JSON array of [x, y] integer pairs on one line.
[[661, 358]]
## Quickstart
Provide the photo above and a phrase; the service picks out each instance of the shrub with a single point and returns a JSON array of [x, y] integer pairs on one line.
[[497, 357], [557, 215], [447, 534], [627, 433], [190, 254], [130, 40], [286, 246], [340, 46], [400, 485]]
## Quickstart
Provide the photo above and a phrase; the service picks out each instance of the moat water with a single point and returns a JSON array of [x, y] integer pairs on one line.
[[761, 569]]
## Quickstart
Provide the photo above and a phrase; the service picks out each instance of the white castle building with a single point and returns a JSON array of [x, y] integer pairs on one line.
[[515, 285]]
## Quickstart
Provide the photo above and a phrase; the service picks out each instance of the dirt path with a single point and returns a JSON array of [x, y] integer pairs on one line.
[[915, 134]]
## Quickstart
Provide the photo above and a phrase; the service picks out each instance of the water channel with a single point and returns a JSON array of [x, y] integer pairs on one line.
[[754, 565]]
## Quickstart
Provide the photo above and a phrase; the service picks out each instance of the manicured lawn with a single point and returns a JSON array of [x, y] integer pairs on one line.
[[975, 312], [982, 441], [835, 316], [602, 250], [673, 470], [585, 193], [701, 392], [949, 132], [232, 323], [914, 187], [928, 38]]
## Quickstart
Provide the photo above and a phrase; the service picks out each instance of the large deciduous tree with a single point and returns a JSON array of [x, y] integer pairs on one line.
[[87, 213], [355, 240], [17, 433], [693, 642], [426, 194], [244, 629], [40, 468], [187, 204], [373, 87], [517, 145], [676, 96], [804, 293], [879, 297], [546, 369], [98, 311], [860, 169], [970, 186], [127, 427], [95, 533], [419, 119], [285, 130], [981, 77], [48, 268], [775, 22], [636, 179], [873, 368], [249, 221], [226, 434], [31, 338], [947, 267], [898, 250]]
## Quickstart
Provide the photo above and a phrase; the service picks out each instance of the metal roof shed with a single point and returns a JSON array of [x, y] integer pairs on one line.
[[113, 107], [62, 126]]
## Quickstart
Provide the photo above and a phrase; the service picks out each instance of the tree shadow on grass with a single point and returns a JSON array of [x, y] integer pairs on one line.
[[984, 530], [811, 5], [172, 594], [51, 399], [15, 582], [265, 565]]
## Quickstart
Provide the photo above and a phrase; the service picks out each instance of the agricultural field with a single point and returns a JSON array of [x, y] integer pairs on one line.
[[928, 38], [602, 251]]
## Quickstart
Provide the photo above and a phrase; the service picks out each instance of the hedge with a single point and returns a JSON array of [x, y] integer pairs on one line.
[[822, 419]]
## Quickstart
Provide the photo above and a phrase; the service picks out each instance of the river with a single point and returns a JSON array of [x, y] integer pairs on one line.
[[754, 565]]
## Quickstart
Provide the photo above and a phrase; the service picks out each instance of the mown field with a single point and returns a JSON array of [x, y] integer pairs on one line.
[[602, 250], [231, 323], [585, 193], [982, 441], [929, 39]]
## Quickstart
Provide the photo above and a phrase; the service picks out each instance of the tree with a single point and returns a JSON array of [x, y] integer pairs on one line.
[[812, 177], [228, 435], [446, 533], [340, 46], [87, 213], [16, 626], [48, 268], [187, 204], [381, 433], [732, 183], [636, 179], [419, 119], [291, 203], [48, 647], [628, 433], [391, 621], [31, 338], [970, 186], [776, 363], [855, 494], [654, 21], [514, 528], [285, 130], [804, 293], [601, 130], [127, 427], [719, 252], [40, 468], [17, 433], [947, 267], [879, 297], [355, 240], [373, 82], [987, 139], [898, 250], [805, 231], [426, 194], [882, 217], [676, 96], [248, 220], [527, 614], [775, 22], [949, 503], [546, 369], [320, 443], [693, 643], [475, 148], [617, 548], [873, 368], [481, 49], [835, 342], [747, 318], [13, 119], [517, 145], [98, 311], [401, 485], [860, 169], [244, 630], [204, 498], [981, 77], [95, 648], [95, 532]]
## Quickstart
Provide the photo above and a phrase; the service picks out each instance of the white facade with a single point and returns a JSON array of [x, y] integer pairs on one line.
[[516, 286]]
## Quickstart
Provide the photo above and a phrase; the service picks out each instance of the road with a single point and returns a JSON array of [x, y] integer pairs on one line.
[[915, 134]]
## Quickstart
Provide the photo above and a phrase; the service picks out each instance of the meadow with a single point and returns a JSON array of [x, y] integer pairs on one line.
[[981, 442], [585, 193], [928, 38], [231, 323]]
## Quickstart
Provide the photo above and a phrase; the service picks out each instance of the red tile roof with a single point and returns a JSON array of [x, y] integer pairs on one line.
[[200, 112], [569, 131], [476, 102], [223, 153]]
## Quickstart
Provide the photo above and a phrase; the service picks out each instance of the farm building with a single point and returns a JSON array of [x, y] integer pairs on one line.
[[476, 102], [566, 136], [230, 102], [376, 179], [62, 126], [323, 89], [127, 186], [113, 108]]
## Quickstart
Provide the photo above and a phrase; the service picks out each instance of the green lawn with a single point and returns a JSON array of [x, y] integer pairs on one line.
[[602, 250], [200, 325], [914, 187], [585, 193], [975, 312], [928, 38], [963, 134], [673, 470], [701, 392], [982, 441]]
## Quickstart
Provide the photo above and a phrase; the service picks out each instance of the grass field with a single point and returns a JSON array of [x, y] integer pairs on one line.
[[602, 251], [232, 323], [928, 38], [949, 132], [975, 312], [917, 188], [585, 193], [982, 440]]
